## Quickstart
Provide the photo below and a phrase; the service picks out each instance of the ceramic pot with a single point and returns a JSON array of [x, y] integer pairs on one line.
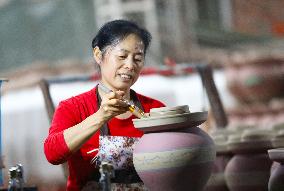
[[173, 154], [276, 180], [257, 80], [249, 168]]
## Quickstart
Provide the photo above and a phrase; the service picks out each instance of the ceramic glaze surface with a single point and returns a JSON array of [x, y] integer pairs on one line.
[[172, 159], [248, 172], [249, 168]]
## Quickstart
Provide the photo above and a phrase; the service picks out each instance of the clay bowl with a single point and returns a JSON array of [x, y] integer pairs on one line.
[[162, 119]]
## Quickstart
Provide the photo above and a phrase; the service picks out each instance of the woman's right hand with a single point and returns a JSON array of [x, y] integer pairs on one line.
[[112, 105]]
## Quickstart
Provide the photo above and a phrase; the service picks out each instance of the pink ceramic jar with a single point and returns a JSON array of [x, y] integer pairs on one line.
[[249, 169], [173, 154]]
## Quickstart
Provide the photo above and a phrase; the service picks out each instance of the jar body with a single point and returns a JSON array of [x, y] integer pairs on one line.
[[175, 160], [257, 81], [248, 171]]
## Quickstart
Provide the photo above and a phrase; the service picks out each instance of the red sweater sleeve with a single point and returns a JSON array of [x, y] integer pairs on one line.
[[55, 147]]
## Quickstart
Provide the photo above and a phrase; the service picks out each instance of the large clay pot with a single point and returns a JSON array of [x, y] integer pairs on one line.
[[257, 80], [249, 168], [276, 180], [173, 154]]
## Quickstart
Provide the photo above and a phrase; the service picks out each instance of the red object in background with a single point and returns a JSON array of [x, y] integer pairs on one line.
[[278, 28]]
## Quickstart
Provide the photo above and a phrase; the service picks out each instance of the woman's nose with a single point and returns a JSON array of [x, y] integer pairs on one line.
[[129, 63]]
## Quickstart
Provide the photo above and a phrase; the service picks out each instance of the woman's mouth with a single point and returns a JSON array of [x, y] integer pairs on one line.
[[125, 76]]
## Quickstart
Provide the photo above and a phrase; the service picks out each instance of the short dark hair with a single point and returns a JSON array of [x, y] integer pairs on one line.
[[114, 31]]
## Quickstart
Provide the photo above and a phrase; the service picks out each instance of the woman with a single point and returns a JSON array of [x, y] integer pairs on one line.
[[119, 49]]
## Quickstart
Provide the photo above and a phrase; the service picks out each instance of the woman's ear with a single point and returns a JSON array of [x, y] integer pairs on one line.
[[97, 55]]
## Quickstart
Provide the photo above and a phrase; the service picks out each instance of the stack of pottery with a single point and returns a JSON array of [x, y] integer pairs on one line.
[[249, 168], [173, 154]]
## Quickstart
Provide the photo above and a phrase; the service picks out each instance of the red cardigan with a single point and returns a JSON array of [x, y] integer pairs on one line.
[[71, 112]]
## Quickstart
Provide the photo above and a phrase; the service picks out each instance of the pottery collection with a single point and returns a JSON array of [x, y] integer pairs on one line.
[[174, 153]]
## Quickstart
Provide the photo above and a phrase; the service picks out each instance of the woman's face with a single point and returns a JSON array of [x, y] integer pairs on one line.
[[122, 63]]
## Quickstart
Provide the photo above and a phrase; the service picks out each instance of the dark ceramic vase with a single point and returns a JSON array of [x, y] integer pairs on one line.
[[249, 168], [173, 154], [276, 180]]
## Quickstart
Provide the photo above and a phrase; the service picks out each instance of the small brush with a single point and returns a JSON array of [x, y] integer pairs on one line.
[[131, 107]]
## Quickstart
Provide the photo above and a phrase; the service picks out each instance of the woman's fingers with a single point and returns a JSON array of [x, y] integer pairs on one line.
[[114, 109], [114, 98], [118, 94], [110, 111], [117, 102], [112, 104]]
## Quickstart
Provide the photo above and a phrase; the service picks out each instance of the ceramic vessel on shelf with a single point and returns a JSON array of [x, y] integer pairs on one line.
[[276, 180], [249, 168], [257, 80], [173, 154]]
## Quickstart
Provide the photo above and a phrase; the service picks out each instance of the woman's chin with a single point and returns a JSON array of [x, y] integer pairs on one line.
[[123, 86], [125, 83]]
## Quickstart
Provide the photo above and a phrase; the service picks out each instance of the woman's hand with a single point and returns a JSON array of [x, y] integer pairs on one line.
[[112, 105]]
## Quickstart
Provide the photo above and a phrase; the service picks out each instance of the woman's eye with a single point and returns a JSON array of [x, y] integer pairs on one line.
[[122, 56], [138, 59]]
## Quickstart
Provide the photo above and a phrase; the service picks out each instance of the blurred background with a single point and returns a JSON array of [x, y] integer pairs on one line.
[[241, 40]]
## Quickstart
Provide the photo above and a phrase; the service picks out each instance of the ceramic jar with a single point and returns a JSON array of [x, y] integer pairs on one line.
[[249, 168], [276, 180], [257, 80], [173, 154]]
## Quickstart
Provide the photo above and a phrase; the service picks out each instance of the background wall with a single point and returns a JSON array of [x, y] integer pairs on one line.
[[45, 30]]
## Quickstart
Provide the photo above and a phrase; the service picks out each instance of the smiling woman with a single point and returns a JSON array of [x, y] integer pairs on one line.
[[122, 63], [120, 47], [95, 126]]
